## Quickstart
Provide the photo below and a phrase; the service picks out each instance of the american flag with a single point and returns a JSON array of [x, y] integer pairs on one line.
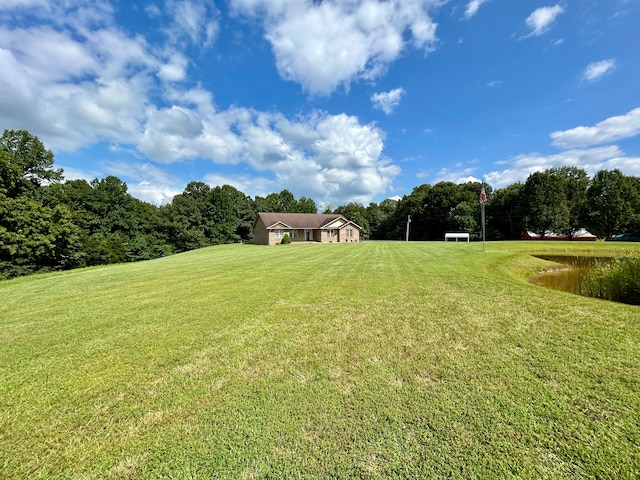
[[483, 195]]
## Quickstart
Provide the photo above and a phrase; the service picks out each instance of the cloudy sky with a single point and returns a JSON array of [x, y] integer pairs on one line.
[[337, 100]]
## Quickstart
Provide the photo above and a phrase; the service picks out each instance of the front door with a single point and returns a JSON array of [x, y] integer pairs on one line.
[[308, 235]]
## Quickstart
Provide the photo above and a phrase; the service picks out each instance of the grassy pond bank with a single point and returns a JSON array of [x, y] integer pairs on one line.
[[609, 278]]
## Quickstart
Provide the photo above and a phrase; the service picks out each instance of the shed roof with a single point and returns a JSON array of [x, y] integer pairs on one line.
[[300, 220]]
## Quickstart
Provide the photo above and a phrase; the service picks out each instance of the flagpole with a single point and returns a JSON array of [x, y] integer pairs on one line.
[[408, 222], [483, 229], [483, 200]]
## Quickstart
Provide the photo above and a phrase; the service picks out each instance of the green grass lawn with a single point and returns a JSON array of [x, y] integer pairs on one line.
[[368, 360]]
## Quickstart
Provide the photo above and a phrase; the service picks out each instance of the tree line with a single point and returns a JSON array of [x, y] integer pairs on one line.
[[48, 224], [558, 200]]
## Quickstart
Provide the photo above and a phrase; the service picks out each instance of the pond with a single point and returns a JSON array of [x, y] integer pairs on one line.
[[566, 279]]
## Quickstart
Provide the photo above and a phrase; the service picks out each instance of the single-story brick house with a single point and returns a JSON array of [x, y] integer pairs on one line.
[[270, 228]]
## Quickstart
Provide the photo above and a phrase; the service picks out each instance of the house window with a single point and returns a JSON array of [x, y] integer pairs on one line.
[[350, 233], [294, 234], [330, 233], [279, 233]]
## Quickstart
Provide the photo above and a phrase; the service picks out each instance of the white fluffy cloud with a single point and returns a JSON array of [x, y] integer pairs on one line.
[[542, 18], [459, 174], [323, 45], [81, 84], [591, 160], [75, 78], [472, 8], [581, 147], [331, 157], [195, 21], [597, 70], [174, 70], [387, 101], [606, 131]]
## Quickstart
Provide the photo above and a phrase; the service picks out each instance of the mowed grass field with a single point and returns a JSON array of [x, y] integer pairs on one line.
[[369, 360]]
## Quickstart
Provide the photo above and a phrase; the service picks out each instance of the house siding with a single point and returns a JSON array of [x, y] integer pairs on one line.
[[261, 236], [354, 238]]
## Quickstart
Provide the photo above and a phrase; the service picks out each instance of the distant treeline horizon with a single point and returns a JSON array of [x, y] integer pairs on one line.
[[49, 224]]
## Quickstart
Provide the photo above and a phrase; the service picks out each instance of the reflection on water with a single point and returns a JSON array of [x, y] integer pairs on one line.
[[567, 279]]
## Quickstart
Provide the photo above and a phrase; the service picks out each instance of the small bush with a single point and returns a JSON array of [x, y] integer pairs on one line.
[[286, 240], [618, 280]]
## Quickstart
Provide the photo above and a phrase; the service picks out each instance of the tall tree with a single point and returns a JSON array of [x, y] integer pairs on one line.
[[613, 200], [25, 163], [441, 200], [574, 184], [244, 211], [307, 205], [185, 217], [463, 217], [34, 237], [634, 223], [545, 204], [112, 206], [285, 202], [505, 213], [357, 213], [380, 218], [224, 216], [466, 215]]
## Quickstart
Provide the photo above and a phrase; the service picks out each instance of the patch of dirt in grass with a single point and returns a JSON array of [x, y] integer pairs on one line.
[[424, 380], [128, 467]]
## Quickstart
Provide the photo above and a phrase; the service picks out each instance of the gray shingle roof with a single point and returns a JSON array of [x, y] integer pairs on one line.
[[299, 220]]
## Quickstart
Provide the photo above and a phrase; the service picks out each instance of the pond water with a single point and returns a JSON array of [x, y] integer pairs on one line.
[[566, 279]]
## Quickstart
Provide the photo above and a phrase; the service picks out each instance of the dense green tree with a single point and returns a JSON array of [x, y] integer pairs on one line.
[[380, 217], [34, 237], [224, 217], [441, 200], [356, 213], [266, 204], [184, 221], [25, 163], [203, 216], [285, 202], [149, 239], [634, 222], [244, 211], [505, 213], [574, 182], [613, 200], [307, 205], [112, 206], [413, 205], [463, 218], [115, 226], [545, 204], [466, 215]]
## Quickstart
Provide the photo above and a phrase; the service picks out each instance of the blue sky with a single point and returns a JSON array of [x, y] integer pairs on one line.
[[337, 100]]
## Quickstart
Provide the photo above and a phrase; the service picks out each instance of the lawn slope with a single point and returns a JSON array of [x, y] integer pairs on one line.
[[361, 360]]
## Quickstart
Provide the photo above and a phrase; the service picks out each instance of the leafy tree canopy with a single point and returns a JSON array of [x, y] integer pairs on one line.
[[25, 164]]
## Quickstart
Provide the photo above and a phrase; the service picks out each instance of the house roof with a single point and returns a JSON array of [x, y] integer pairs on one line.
[[581, 233], [301, 220]]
